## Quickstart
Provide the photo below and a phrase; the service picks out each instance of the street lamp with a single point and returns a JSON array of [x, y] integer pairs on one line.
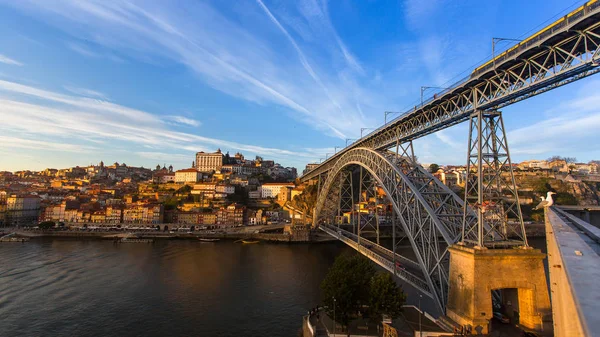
[[347, 139], [496, 40], [335, 149], [334, 324], [420, 313], [363, 129], [387, 113], [425, 88], [326, 155]]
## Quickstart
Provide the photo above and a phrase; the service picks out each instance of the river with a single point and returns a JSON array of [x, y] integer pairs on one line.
[[177, 288], [54, 287]]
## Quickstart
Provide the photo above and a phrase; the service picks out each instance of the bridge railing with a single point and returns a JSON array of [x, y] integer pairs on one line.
[[383, 261], [381, 249]]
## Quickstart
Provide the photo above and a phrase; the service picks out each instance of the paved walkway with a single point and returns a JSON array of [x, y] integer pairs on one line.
[[405, 325]]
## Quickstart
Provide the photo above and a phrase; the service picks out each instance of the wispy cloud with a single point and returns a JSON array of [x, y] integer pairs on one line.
[[87, 52], [573, 127], [167, 157], [182, 120], [44, 145], [79, 121], [82, 50], [86, 92], [234, 56], [8, 60]]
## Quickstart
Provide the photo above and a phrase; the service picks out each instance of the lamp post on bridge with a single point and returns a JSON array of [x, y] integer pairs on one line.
[[425, 88], [347, 139], [363, 129], [496, 40], [326, 155], [335, 149], [387, 113]]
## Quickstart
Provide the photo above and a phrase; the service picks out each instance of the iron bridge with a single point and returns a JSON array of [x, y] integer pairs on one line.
[[374, 189]]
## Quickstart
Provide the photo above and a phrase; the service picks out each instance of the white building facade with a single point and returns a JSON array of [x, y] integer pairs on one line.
[[271, 190], [187, 176], [209, 162]]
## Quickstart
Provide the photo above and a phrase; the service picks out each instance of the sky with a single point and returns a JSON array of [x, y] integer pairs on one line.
[[153, 82]]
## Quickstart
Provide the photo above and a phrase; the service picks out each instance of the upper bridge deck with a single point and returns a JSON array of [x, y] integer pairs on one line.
[[563, 52]]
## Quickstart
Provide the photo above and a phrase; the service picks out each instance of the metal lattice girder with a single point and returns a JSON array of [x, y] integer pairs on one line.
[[346, 193], [557, 57], [487, 188], [428, 213], [367, 205]]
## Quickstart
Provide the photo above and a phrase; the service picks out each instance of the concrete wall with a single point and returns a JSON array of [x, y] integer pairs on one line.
[[564, 308]]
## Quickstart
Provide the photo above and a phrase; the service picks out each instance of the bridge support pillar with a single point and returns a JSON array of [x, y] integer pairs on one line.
[[518, 273]]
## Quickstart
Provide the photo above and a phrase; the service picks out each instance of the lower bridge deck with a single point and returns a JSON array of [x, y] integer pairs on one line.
[[406, 269]]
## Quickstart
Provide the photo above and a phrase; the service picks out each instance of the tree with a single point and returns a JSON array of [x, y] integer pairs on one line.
[[541, 186], [184, 189], [385, 297], [566, 159], [565, 198], [433, 168], [348, 281]]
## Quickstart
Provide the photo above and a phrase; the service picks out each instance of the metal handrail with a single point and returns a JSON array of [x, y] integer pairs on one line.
[[382, 261]]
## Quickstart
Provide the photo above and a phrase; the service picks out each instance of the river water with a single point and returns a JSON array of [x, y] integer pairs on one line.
[[55, 287], [169, 288]]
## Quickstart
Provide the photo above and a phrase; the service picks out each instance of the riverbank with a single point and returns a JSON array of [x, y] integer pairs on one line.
[[158, 235], [315, 236]]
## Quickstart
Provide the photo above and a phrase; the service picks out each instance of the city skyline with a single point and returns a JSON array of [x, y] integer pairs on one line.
[[80, 82]]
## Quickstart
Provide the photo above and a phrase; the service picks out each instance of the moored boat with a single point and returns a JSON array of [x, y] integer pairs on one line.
[[250, 241], [135, 240], [207, 240]]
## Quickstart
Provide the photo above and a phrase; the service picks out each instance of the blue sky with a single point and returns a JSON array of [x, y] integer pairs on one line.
[[147, 82]]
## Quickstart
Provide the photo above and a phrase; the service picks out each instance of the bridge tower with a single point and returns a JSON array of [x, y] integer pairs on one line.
[[493, 268]]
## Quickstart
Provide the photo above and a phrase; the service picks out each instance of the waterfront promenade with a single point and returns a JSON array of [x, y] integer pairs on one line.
[[273, 233]]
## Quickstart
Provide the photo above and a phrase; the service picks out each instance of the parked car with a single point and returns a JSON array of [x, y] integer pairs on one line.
[[501, 317]]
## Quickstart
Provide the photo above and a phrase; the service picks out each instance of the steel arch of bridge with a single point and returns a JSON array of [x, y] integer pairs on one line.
[[427, 211]]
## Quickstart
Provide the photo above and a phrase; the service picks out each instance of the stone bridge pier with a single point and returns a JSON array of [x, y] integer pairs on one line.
[[516, 274]]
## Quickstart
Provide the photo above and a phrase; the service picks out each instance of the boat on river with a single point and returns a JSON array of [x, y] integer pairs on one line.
[[136, 240], [132, 238], [13, 237], [250, 241], [207, 240]]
